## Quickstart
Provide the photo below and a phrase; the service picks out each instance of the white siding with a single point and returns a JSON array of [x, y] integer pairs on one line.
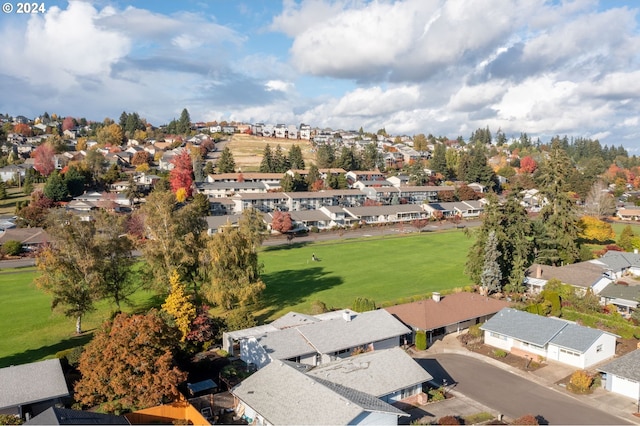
[[607, 345], [624, 386], [252, 352], [498, 341]]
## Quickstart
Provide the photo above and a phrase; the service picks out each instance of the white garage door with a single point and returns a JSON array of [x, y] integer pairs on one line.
[[625, 387]]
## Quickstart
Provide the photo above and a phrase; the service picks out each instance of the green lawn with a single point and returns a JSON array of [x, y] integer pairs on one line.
[[384, 269], [29, 331]]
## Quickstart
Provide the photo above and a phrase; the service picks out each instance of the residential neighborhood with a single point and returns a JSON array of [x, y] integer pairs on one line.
[[350, 364]]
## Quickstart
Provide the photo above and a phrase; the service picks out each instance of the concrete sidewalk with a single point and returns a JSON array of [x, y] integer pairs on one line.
[[546, 376]]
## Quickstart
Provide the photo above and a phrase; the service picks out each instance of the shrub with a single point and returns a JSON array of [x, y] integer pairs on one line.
[[436, 394], [527, 419], [421, 340], [448, 420], [362, 304], [12, 248], [314, 229], [475, 419], [475, 331], [10, 419], [499, 353], [318, 307], [580, 382]]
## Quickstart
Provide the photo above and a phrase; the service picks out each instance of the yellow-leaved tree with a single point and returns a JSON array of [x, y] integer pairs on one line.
[[178, 304], [596, 230]]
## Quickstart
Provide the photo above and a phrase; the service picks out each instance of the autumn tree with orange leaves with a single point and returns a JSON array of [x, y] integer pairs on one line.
[[181, 176], [130, 365]]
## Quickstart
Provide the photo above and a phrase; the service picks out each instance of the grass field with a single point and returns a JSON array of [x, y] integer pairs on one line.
[[383, 269], [386, 270], [30, 331], [247, 150], [14, 195]]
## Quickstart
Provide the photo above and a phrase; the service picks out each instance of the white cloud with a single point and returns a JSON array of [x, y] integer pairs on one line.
[[278, 85]]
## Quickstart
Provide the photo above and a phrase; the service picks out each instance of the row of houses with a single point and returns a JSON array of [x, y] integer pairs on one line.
[[610, 277]]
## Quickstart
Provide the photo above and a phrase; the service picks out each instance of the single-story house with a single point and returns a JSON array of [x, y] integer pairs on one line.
[[27, 390], [30, 238], [554, 339], [319, 339], [624, 297], [390, 374], [65, 416], [442, 315], [582, 275], [284, 393], [622, 375], [386, 214], [628, 214]]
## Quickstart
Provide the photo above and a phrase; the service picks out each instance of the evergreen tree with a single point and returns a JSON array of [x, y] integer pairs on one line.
[[3, 190], [312, 177], [491, 277], [55, 188], [348, 159], [626, 238], [266, 165], [371, 158], [296, 161], [325, 156], [558, 241], [280, 161], [208, 169], [513, 232], [439, 160], [184, 123], [74, 180], [226, 163]]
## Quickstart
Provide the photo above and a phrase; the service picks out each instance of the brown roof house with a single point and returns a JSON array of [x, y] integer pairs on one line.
[[442, 315]]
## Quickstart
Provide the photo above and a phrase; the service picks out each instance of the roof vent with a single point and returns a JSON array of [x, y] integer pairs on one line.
[[347, 316]]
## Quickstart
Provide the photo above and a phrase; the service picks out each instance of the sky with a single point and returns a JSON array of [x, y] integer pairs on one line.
[[441, 67]]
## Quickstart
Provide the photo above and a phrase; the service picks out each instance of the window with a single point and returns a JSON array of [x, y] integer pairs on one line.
[[599, 348], [498, 336], [564, 351]]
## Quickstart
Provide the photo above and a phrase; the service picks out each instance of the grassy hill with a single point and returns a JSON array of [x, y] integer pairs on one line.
[[247, 150]]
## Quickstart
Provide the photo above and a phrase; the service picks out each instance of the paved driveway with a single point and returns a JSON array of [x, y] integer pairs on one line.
[[511, 394]]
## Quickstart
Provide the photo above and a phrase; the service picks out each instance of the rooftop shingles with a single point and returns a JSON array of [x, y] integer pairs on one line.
[[627, 366], [451, 309]]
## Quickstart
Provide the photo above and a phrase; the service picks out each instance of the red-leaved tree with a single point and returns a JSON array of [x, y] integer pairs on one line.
[[23, 129], [281, 221], [528, 165], [43, 159], [68, 123], [181, 176]]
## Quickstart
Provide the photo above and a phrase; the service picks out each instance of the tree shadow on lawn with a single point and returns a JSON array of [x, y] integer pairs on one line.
[[285, 246], [291, 287], [33, 355]]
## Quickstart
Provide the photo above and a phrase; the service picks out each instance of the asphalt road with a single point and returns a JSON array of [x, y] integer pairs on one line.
[[511, 394]]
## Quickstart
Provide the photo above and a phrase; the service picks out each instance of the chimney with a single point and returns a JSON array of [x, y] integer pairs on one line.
[[538, 271], [435, 296], [347, 316]]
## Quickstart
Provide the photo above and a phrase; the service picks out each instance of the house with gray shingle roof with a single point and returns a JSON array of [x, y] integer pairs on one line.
[[283, 393], [390, 374], [317, 340], [27, 390], [622, 375], [64, 416], [525, 334], [625, 297]]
